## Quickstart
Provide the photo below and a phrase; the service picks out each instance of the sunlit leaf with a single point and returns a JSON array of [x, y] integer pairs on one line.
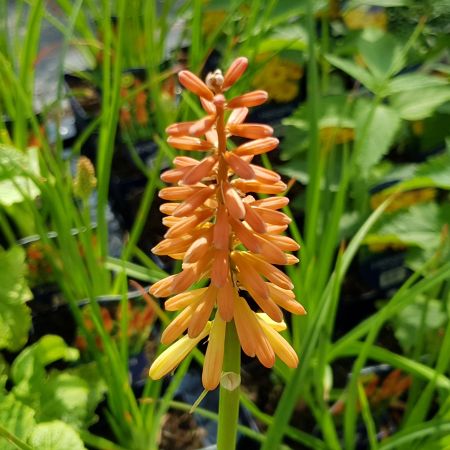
[[17, 418], [15, 317], [55, 435], [13, 183], [28, 369]]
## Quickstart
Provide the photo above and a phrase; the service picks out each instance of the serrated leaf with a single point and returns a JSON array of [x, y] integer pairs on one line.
[[55, 435], [352, 69], [375, 132], [17, 418], [15, 316], [413, 105], [381, 52]]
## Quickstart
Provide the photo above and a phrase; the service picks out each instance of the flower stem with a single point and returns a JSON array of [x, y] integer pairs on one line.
[[229, 391]]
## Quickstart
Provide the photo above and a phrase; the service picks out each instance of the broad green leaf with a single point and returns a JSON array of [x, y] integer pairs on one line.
[[13, 184], [413, 82], [65, 397], [97, 386], [419, 226], [413, 105], [71, 396], [375, 132], [28, 369], [55, 435], [381, 52], [352, 69], [17, 418], [437, 170], [11, 161], [15, 317]]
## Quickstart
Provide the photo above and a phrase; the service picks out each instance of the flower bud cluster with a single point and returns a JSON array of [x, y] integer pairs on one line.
[[224, 234]]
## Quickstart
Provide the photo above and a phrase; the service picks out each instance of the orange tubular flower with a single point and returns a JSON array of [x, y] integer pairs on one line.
[[224, 236]]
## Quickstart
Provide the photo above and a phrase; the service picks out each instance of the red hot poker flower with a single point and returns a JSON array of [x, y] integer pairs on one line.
[[223, 235]]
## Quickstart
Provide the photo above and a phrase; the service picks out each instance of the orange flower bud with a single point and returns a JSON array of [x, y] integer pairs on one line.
[[225, 300], [202, 312], [258, 187], [192, 203], [254, 219], [189, 143], [257, 146], [212, 367], [254, 98], [234, 72], [196, 128], [237, 116], [250, 130], [195, 85], [239, 166], [264, 175], [197, 250], [184, 299], [233, 202], [220, 268], [221, 235], [200, 171]]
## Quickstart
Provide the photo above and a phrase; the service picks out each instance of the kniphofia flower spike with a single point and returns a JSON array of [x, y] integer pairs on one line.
[[224, 235]]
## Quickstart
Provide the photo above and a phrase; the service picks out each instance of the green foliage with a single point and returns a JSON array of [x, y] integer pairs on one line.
[[71, 396], [14, 186], [422, 317], [366, 89], [372, 143], [45, 408], [15, 417], [381, 52], [419, 226], [55, 435], [15, 317]]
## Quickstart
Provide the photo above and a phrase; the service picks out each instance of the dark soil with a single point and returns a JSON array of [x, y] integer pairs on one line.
[[180, 432]]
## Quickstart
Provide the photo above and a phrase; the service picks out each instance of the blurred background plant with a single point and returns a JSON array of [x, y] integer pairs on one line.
[[360, 100]]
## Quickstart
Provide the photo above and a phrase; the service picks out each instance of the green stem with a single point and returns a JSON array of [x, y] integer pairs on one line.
[[229, 399]]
